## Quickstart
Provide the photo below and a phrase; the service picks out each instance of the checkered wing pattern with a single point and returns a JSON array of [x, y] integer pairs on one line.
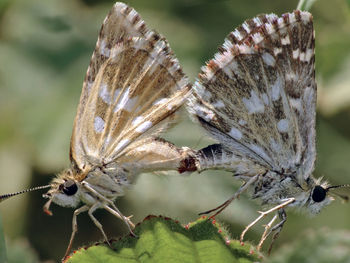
[[257, 97], [133, 88]]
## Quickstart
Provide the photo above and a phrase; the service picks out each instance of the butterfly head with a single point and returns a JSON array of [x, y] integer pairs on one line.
[[318, 197], [322, 194], [65, 191]]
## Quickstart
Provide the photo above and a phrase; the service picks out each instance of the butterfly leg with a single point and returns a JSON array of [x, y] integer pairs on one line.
[[266, 232], [278, 228], [74, 228], [118, 214], [115, 212], [96, 222], [221, 207], [265, 213], [269, 229]]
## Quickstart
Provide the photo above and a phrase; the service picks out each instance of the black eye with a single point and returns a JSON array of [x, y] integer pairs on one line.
[[69, 187], [319, 194]]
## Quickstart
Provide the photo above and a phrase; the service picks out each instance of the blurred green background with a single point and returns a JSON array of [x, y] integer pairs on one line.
[[45, 47]]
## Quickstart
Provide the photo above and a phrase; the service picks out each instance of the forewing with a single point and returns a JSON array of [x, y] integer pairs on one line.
[[136, 92], [121, 23], [257, 96]]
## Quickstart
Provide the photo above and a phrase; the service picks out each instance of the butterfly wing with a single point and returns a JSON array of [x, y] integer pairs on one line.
[[122, 22], [131, 92], [257, 96]]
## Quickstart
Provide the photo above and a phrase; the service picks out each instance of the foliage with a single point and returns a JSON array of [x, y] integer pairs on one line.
[[45, 47], [162, 239]]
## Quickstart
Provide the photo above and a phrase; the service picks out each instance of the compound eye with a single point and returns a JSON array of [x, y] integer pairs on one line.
[[319, 194], [70, 187]]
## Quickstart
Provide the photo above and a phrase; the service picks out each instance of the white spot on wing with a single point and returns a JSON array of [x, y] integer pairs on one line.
[[144, 127], [309, 53], [296, 104], [253, 104], [235, 133], [275, 146], [257, 38], [306, 56], [121, 145], [268, 59], [309, 97], [244, 49], [292, 18], [275, 89], [104, 93], [257, 21], [107, 142], [242, 122], [131, 15], [201, 91], [116, 50], [285, 40], [137, 120], [130, 104], [228, 71], [291, 76], [277, 51], [305, 16], [265, 99], [103, 49], [125, 102], [99, 124], [296, 53], [270, 29], [228, 44], [232, 68], [280, 22], [271, 17], [222, 59], [219, 104], [283, 125], [246, 27], [160, 101], [237, 35]]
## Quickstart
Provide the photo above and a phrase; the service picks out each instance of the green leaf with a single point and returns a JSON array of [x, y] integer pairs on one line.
[[165, 240]]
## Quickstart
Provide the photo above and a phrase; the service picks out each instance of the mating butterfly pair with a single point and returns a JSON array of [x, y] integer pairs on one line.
[[256, 98]]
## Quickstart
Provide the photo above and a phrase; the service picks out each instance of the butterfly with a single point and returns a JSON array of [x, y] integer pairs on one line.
[[131, 93], [257, 98]]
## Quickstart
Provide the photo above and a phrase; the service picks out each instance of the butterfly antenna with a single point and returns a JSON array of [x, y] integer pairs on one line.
[[6, 196], [344, 197], [338, 186]]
